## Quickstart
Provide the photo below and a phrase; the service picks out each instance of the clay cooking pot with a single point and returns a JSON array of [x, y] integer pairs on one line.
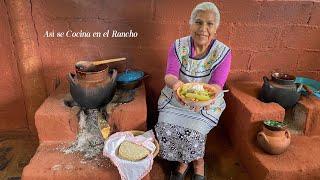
[[280, 89], [94, 88], [274, 140]]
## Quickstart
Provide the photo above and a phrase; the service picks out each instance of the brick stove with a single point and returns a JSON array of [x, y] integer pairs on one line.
[[57, 126], [243, 118]]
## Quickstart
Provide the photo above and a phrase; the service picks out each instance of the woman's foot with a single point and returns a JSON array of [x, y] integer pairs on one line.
[[182, 168], [198, 166], [180, 172]]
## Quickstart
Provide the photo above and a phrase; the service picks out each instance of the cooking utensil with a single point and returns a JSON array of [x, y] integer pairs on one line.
[[274, 139], [93, 90], [309, 91], [130, 79], [90, 65], [309, 85], [280, 89]]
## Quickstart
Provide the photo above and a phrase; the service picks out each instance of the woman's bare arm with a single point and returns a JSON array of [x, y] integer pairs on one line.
[[172, 81]]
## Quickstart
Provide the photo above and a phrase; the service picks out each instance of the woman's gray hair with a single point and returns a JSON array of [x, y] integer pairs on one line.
[[205, 6]]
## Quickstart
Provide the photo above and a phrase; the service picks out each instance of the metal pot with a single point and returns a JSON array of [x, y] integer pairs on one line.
[[280, 89], [93, 89]]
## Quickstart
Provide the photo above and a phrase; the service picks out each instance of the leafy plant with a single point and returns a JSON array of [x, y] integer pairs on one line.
[[275, 123]]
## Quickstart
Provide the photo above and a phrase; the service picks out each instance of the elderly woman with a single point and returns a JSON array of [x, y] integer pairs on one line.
[[200, 57]]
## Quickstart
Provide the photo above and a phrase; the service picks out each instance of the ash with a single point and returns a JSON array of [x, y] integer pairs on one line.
[[89, 140]]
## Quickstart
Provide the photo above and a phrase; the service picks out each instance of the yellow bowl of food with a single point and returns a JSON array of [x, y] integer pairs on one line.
[[197, 94]]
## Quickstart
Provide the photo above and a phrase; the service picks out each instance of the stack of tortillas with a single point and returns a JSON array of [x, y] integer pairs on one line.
[[132, 152]]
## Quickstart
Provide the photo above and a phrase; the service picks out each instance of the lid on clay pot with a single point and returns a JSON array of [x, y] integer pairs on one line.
[[283, 78], [274, 125], [98, 73]]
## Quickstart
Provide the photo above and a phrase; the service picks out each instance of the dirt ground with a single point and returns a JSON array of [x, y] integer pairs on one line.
[[16, 150], [221, 162]]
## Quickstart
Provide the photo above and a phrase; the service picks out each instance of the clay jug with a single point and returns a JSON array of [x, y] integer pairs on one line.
[[280, 89], [274, 141]]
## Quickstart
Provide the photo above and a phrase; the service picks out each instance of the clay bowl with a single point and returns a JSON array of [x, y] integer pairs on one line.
[[195, 102]]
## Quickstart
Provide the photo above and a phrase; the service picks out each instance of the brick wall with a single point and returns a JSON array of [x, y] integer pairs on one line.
[[273, 36], [264, 36], [12, 107]]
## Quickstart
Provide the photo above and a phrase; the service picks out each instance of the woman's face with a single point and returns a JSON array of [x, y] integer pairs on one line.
[[203, 29]]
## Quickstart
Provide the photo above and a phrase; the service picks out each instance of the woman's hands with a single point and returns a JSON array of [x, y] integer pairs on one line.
[[174, 88], [174, 83], [217, 90]]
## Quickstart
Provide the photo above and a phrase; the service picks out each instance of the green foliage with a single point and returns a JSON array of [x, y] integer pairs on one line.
[[273, 123]]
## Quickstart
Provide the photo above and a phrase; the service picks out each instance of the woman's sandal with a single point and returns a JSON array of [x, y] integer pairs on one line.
[[175, 175], [198, 177]]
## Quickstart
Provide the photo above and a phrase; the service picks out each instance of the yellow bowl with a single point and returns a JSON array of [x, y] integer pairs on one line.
[[198, 103]]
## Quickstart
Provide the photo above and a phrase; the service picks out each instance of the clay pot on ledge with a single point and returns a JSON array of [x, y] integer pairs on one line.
[[274, 139], [280, 89]]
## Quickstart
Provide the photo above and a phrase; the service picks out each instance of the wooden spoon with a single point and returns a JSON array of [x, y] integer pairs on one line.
[[309, 91], [90, 65]]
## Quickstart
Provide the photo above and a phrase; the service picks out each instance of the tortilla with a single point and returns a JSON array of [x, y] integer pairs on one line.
[[132, 152]]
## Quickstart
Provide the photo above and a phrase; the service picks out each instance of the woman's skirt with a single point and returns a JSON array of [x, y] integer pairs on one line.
[[182, 132], [179, 143]]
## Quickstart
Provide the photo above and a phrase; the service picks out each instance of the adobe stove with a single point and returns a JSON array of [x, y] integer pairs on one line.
[[93, 124], [63, 124]]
